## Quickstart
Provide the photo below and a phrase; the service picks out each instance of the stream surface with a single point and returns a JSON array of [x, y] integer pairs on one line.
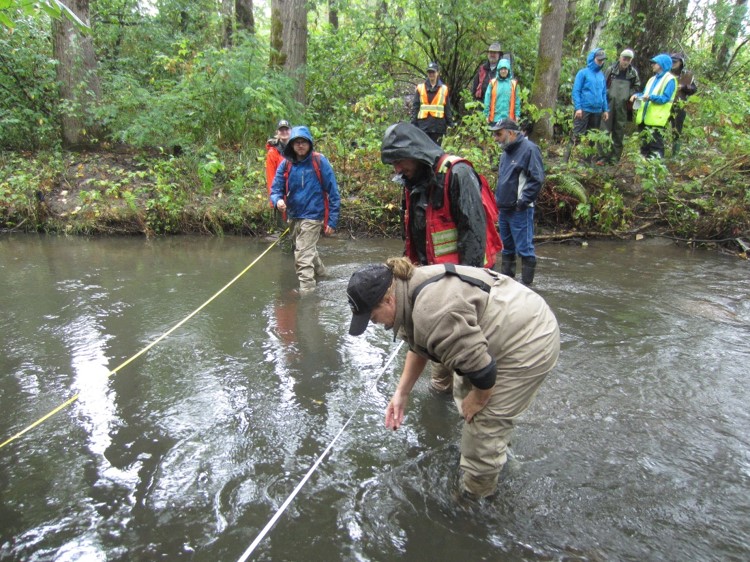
[[636, 448]]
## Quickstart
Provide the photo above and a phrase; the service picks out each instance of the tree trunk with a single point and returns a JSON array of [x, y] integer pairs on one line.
[[596, 26], [549, 60], [333, 14], [80, 90], [289, 40], [277, 57], [243, 10], [574, 38], [731, 33], [227, 22]]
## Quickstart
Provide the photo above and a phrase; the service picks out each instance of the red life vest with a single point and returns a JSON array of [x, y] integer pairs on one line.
[[442, 233], [316, 167], [482, 83]]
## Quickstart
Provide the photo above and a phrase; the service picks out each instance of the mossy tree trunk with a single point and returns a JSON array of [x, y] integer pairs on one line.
[[80, 89], [289, 41], [549, 59]]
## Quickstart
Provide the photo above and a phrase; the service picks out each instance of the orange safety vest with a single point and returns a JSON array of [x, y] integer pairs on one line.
[[434, 107], [493, 97], [441, 238]]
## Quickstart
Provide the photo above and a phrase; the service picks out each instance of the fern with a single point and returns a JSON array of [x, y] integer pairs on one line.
[[570, 186]]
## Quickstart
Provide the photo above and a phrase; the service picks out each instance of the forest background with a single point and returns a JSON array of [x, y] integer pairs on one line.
[[151, 116]]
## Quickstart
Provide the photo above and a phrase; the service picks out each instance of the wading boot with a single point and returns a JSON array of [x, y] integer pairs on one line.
[[508, 265], [528, 265]]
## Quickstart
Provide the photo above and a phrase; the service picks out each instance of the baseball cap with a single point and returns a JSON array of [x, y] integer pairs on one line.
[[507, 124], [495, 48], [600, 55], [627, 53], [366, 289], [283, 123], [433, 66]]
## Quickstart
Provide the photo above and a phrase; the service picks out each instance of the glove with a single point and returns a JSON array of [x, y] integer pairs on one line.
[[521, 205]]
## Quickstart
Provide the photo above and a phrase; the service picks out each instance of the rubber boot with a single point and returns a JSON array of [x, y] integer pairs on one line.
[[508, 265], [566, 154], [528, 265]]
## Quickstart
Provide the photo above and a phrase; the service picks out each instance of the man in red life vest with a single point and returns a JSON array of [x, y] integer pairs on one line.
[[449, 211], [486, 72]]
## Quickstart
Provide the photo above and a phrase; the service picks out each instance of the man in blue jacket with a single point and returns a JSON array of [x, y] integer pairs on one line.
[[589, 98], [519, 181], [305, 186]]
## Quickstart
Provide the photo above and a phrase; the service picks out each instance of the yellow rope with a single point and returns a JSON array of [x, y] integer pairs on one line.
[[75, 397]]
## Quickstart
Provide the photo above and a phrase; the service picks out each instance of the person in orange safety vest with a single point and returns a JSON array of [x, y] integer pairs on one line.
[[431, 107], [502, 99]]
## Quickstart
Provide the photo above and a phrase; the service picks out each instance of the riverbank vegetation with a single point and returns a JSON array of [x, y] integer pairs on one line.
[[157, 121]]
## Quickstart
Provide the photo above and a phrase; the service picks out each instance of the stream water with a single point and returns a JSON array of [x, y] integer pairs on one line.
[[636, 448]]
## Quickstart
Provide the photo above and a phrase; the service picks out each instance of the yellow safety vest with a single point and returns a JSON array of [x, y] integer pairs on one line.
[[435, 106], [656, 114]]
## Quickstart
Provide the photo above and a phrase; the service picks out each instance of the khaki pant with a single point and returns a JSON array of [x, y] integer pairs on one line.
[[484, 441], [307, 262], [441, 378]]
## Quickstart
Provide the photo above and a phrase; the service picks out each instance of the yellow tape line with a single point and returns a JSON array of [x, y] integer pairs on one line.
[[75, 397]]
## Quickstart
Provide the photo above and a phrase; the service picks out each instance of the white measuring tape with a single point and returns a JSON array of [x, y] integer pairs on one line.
[[313, 468]]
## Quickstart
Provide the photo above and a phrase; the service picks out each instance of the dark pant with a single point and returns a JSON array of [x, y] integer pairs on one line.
[[587, 122], [652, 141], [436, 137], [677, 120], [618, 118]]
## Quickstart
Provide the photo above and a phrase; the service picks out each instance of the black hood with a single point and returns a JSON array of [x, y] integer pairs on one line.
[[404, 140]]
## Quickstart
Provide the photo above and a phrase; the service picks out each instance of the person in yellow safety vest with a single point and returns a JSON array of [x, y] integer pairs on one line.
[[654, 106], [501, 101], [431, 106]]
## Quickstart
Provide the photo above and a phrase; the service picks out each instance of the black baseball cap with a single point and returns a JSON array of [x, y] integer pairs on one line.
[[433, 66], [366, 289], [283, 123], [507, 124]]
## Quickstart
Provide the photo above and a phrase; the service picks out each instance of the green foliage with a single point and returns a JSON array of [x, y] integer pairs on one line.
[[24, 183], [609, 210], [216, 97], [11, 11], [569, 185], [654, 176], [28, 112]]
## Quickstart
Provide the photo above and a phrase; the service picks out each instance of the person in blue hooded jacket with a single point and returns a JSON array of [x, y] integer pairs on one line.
[[305, 187], [589, 98], [654, 106]]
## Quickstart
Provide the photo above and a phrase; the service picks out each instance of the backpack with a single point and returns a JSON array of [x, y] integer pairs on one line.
[[493, 243], [316, 167]]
